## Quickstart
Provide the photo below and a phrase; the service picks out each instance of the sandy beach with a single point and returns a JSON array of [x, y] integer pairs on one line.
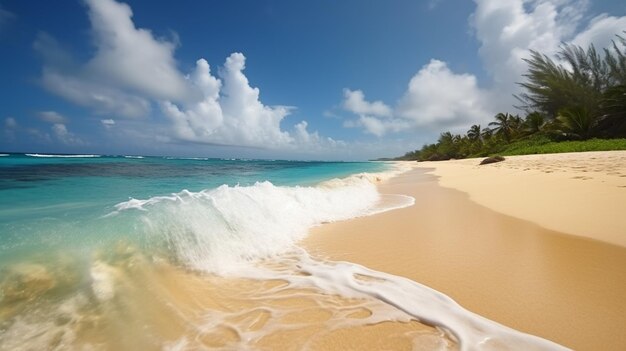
[[536, 242]]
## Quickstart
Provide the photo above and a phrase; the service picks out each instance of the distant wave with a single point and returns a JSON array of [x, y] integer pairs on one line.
[[2, 155], [62, 156], [133, 156], [187, 158]]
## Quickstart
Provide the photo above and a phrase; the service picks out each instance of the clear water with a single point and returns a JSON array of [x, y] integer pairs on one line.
[[60, 201], [153, 253]]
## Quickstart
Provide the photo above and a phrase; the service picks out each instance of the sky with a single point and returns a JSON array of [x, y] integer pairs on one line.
[[293, 79]]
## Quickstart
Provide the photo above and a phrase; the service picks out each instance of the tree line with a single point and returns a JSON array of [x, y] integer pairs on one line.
[[579, 96]]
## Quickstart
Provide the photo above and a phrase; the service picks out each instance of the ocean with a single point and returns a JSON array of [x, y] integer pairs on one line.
[[165, 253]]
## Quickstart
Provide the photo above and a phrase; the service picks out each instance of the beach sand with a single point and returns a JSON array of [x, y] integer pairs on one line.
[[535, 242]]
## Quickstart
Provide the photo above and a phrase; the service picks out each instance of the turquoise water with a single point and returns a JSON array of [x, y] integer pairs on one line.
[[62, 201], [153, 253]]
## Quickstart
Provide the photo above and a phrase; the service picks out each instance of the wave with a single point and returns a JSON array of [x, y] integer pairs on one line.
[[218, 230], [62, 156], [138, 157], [187, 158], [3, 155]]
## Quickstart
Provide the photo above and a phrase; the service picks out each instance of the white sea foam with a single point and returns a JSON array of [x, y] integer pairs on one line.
[[219, 229], [187, 158], [130, 156], [102, 280], [3, 155], [62, 156], [470, 330]]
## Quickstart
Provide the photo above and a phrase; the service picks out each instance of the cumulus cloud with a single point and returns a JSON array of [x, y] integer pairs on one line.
[[64, 136], [130, 65], [130, 56], [132, 69], [354, 101], [435, 96], [601, 31], [507, 31], [52, 117], [230, 111]]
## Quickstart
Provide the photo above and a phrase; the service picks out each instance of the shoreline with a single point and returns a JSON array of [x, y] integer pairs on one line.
[[582, 194], [539, 281]]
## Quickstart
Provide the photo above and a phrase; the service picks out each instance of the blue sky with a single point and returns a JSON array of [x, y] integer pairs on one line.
[[288, 79]]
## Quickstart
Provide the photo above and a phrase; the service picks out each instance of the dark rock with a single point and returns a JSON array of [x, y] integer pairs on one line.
[[494, 159]]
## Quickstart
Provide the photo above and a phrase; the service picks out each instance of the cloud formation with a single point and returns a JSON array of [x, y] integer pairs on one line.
[[435, 96], [506, 30], [129, 68], [354, 101], [64, 136], [230, 111], [52, 117], [132, 69]]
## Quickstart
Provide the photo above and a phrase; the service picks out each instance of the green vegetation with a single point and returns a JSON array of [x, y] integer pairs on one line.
[[545, 146], [577, 103]]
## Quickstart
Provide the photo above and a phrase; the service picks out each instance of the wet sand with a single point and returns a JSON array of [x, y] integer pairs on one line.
[[564, 288]]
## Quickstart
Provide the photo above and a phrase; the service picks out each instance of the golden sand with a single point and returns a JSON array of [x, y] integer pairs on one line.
[[568, 289], [580, 193]]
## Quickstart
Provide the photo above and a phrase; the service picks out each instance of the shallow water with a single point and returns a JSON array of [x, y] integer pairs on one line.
[[158, 253]]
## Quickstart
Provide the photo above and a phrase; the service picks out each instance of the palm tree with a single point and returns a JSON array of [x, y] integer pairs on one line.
[[474, 133], [577, 121], [534, 122], [517, 126], [613, 105], [503, 125], [487, 133]]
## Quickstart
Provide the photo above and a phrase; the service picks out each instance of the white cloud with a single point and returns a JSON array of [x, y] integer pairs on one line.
[[354, 101], [436, 95], [313, 141], [506, 31], [107, 123], [52, 117], [601, 31], [101, 98], [230, 112], [63, 135], [129, 68], [132, 69], [10, 123], [130, 56]]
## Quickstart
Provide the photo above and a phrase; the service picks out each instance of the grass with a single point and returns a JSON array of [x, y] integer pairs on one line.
[[545, 146]]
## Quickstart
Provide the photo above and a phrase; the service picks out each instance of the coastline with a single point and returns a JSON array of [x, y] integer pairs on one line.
[[543, 282], [582, 194]]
